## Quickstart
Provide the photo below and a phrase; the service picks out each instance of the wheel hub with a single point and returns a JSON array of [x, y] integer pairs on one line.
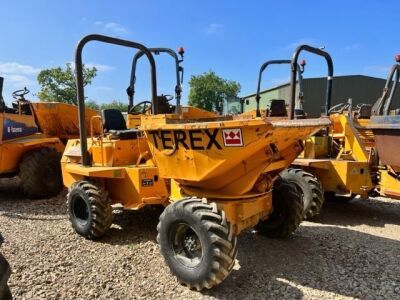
[[186, 245], [190, 243]]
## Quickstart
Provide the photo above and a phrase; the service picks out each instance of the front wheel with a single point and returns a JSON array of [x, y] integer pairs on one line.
[[287, 211], [89, 209], [197, 243]]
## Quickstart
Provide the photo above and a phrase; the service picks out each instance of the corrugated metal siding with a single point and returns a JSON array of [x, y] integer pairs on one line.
[[362, 89]]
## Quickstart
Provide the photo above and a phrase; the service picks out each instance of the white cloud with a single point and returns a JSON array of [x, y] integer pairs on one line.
[[19, 80], [352, 47], [100, 67], [214, 28], [112, 28], [16, 68]]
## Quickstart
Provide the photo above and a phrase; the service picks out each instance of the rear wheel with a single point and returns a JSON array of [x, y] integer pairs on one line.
[[197, 243], [287, 211], [310, 189], [89, 209], [40, 173]]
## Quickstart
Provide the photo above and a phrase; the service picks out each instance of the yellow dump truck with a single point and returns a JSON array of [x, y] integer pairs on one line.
[[32, 138], [216, 176]]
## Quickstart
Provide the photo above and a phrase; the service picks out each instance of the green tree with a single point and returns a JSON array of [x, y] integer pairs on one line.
[[115, 104], [58, 84], [92, 104], [208, 91]]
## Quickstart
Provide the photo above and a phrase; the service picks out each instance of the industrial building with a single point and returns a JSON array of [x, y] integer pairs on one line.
[[360, 88]]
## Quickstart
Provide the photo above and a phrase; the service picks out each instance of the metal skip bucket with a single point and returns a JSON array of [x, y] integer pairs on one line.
[[387, 138]]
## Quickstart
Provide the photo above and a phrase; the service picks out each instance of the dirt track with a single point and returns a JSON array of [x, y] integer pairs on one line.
[[351, 251]]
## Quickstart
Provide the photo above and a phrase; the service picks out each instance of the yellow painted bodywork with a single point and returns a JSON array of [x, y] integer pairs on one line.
[[132, 121], [123, 168], [389, 184], [315, 147], [54, 123], [349, 172], [232, 176], [342, 177], [13, 150]]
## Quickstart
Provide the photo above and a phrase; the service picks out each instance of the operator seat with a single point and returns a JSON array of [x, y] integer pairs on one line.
[[114, 123], [163, 105], [365, 111], [278, 108]]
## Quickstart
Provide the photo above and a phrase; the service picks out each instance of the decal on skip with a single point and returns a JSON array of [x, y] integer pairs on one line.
[[196, 139], [13, 129]]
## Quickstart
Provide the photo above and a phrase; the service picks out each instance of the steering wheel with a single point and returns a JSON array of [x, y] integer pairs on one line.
[[338, 108], [19, 94], [140, 108]]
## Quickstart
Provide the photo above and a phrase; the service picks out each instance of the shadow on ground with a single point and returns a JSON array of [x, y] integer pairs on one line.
[[14, 204], [134, 226], [331, 259], [317, 257], [375, 212]]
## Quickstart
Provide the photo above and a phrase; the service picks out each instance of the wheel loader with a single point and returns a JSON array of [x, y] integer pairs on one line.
[[32, 137], [216, 176]]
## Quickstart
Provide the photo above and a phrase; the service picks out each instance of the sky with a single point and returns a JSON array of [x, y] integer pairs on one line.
[[231, 38]]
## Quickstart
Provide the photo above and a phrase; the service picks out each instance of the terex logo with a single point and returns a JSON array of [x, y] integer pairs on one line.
[[232, 137], [197, 139]]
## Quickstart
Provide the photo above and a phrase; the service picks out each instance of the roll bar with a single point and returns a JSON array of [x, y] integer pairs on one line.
[[382, 106], [1, 87], [294, 64], [179, 69], [80, 86], [300, 71]]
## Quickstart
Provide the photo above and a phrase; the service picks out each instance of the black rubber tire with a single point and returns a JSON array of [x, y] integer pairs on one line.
[[287, 211], [214, 234], [310, 189], [89, 209], [6, 293], [40, 173], [331, 197]]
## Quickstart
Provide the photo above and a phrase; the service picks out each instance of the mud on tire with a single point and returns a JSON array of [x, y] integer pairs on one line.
[[287, 211], [40, 173], [89, 209], [197, 243], [309, 187]]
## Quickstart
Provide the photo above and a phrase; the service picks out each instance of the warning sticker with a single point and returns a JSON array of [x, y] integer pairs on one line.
[[232, 137], [147, 182]]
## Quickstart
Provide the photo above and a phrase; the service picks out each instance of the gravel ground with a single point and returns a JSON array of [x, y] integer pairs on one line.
[[351, 251]]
